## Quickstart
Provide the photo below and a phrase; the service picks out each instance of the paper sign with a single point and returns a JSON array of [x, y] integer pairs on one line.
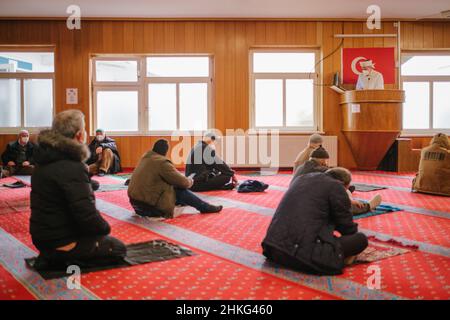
[[356, 108], [71, 96]]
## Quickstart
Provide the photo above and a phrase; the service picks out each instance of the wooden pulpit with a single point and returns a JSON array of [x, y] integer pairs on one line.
[[371, 121]]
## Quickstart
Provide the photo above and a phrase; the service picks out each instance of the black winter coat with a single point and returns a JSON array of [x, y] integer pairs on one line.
[[107, 143], [12, 150], [62, 201], [301, 232], [203, 161]]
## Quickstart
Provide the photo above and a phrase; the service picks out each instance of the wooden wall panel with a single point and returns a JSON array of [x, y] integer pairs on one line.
[[227, 41]]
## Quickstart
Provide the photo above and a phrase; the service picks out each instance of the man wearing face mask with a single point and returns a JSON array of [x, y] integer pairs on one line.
[[104, 155], [369, 78], [65, 225], [18, 156]]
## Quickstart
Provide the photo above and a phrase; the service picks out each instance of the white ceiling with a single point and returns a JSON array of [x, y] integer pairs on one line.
[[403, 9]]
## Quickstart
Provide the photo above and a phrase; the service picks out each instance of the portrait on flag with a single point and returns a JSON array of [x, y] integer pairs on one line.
[[381, 59]]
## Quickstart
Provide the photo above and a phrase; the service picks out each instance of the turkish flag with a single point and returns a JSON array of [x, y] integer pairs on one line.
[[383, 59]]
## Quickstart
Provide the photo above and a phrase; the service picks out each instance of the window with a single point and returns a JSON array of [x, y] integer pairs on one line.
[[173, 93], [26, 89], [283, 94], [426, 81]]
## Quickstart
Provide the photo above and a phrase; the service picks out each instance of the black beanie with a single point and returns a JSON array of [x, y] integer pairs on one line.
[[161, 147], [320, 153]]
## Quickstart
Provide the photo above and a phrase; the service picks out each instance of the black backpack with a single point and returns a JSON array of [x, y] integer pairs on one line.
[[252, 186]]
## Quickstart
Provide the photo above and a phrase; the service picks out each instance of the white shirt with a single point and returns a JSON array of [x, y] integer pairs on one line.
[[373, 80]]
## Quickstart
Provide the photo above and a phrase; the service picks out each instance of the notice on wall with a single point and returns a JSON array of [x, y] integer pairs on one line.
[[356, 108], [71, 96]]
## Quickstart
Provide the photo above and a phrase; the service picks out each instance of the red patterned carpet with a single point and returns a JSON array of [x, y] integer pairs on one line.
[[228, 263]]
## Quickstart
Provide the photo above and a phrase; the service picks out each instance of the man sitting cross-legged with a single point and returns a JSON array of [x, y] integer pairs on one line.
[[301, 234], [18, 157], [434, 167], [65, 225], [104, 155], [209, 171], [315, 141], [156, 186], [319, 163]]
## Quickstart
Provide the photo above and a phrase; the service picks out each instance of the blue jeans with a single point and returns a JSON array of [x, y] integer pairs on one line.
[[184, 197]]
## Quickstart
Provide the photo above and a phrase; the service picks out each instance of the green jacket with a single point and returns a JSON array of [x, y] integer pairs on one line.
[[153, 182]]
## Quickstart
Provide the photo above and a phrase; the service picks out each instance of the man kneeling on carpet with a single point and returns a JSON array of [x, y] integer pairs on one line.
[[318, 162], [65, 225], [156, 186], [301, 234], [434, 167], [18, 157]]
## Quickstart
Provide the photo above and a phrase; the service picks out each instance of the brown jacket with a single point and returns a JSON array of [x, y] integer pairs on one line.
[[434, 167], [153, 182], [302, 157]]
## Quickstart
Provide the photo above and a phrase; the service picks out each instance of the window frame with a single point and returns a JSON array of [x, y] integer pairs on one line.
[[314, 76], [431, 80], [22, 76], [142, 87]]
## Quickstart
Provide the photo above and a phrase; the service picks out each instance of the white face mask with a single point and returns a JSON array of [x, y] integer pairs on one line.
[[100, 138], [24, 140]]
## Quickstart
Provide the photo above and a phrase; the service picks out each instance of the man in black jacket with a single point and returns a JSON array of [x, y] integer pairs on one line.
[[316, 163], [65, 225], [208, 170], [104, 157], [18, 156], [301, 234]]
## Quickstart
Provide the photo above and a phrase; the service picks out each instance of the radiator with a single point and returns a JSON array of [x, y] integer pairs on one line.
[[254, 151]]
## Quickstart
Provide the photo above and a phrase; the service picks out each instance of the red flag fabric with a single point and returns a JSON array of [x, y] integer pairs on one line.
[[383, 58]]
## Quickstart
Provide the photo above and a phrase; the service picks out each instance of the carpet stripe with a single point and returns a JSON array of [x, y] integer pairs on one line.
[[339, 287], [385, 175], [384, 186], [427, 212], [423, 211], [426, 247], [283, 185], [243, 177], [12, 255]]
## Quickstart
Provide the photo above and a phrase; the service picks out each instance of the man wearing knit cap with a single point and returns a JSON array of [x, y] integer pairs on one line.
[[318, 162], [315, 141]]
